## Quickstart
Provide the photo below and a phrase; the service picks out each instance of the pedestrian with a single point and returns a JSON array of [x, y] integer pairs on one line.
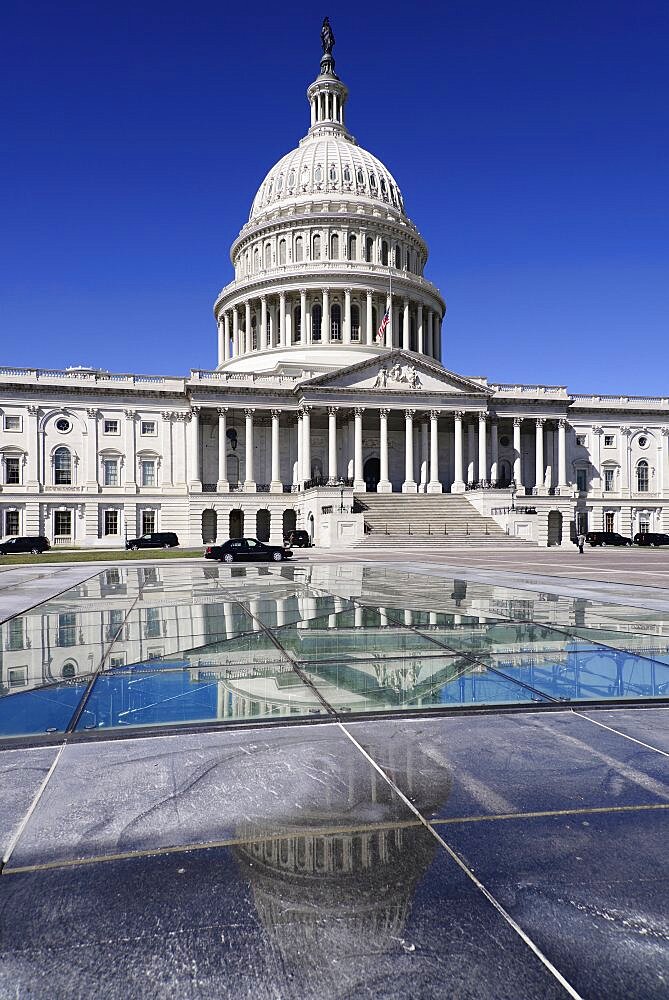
[[581, 542]]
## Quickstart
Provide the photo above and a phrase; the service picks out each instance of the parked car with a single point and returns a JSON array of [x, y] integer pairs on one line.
[[298, 538], [154, 540], [25, 543], [246, 549], [651, 538], [606, 538]]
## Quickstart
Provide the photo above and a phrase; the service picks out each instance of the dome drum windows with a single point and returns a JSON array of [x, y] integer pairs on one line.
[[334, 247], [355, 323], [282, 253], [299, 249], [316, 323], [335, 323], [316, 247]]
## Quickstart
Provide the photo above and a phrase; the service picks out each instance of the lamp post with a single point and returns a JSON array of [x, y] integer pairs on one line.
[[513, 494], [341, 495]]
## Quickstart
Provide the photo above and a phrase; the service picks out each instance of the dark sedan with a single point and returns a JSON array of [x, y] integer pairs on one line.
[[247, 549], [651, 538]]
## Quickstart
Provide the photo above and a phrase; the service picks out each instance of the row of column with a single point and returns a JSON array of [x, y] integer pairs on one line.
[[432, 484], [274, 323]]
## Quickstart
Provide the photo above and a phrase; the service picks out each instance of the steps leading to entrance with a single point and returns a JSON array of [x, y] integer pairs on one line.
[[441, 520]]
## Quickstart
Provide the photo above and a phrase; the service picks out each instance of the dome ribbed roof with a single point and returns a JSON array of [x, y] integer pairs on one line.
[[324, 166]]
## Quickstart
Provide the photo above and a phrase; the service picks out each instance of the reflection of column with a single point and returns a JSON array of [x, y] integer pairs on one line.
[[369, 331], [306, 442], [130, 455], [483, 458], [539, 474], [424, 455], [409, 485], [458, 482], [222, 486], [434, 485], [194, 482], [249, 481], [263, 323], [276, 486], [332, 443], [562, 453], [384, 485], [358, 481], [471, 448], [517, 464], [494, 452]]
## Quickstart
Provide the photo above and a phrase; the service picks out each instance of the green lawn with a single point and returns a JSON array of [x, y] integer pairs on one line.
[[98, 555]]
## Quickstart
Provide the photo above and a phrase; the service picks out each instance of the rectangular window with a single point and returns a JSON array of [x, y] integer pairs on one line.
[[152, 628], [644, 526], [116, 618], [148, 521], [609, 441], [581, 440], [609, 521], [149, 576], [12, 422], [581, 480], [113, 577], [111, 522], [111, 427], [12, 470], [17, 676], [148, 428], [608, 480], [117, 661], [15, 634], [67, 629], [110, 472], [62, 523], [147, 472], [12, 522]]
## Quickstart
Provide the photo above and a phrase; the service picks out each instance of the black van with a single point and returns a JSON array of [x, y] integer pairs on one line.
[[606, 538], [154, 540], [25, 543]]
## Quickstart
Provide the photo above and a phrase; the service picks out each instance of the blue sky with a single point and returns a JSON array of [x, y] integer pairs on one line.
[[530, 142]]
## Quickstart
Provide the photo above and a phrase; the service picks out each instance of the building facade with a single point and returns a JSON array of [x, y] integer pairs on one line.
[[329, 384]]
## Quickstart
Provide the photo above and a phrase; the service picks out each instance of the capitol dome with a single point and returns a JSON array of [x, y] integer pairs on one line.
[[328, 267]]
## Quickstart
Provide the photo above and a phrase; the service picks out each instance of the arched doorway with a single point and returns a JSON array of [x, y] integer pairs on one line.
[[504, 473], [262, 525], [371, 473], [289, 521], [554, 527], [209, 525], [236, 524]]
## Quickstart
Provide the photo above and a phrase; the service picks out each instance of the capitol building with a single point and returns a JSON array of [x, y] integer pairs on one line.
[[332, 407]]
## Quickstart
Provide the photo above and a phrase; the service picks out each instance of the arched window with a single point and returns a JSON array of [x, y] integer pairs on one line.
[[360, 177], [62, 467], [355, 322], [372, 181], [254, 334], [333, 173], [352, 248], [297, 325], [282, 252], [642, 476], [299, 248], [335, 325], [334, 247], [397, 257], [268, 255], [369, 249], [384, 253], [347, 174], [383, 189], [69, 670], [256, 260], [316, 248], [316, 319]]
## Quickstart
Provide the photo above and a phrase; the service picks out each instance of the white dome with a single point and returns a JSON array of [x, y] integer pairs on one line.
[[324, 166]]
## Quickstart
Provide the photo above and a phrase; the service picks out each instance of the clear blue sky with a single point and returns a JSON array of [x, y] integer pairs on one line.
[[530, 141]]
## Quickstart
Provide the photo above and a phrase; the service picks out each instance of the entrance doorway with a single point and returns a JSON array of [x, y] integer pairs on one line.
[[554, 527], [262, 525], [289, 521], [371, 473], [209, 525], [504, 473], [236, 524]]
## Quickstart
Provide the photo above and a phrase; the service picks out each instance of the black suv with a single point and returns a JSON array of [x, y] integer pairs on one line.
[[25, 543], [153, 540], [651, 538], [298, 539], [606, 538], [246, 549]]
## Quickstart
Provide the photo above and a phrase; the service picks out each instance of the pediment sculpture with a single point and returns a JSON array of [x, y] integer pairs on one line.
[[399, 376]]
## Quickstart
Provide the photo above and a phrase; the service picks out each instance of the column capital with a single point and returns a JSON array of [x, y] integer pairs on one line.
[[276, 414], [409, 413], [384, 411], [34, 410], [221, 410], [517, 421], [91, 411], [434, 414], [249, 411], [195, 410], [483, 418], [168, 415], [359, 410], [333, 410], [130, 414], [458, 414], [562, 423], [303, 291], [542, 420]]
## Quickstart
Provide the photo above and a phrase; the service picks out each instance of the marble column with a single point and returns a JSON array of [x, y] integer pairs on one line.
[[282, 320], [263, 323], [406, 340], [227, 353], [483, 458], [350, 448], [248, 343], [429, 347], [91, 448], [539, 473], [434, 485], [306, 442], [235, 332], [249, 480], [298, 478], [562, 454], [471, 451], [332, 444], [494, 452], [517, 458], [409, 484], [458, 482], [303, 316], [130, 452], [221, 338], [384, 485], [276, 485], [325, 324], [358, 481], [369, 328], [419, 326], [347, 316], [222, 486], [424, 456]]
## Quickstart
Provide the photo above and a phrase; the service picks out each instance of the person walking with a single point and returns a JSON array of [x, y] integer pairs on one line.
[[581, 542]]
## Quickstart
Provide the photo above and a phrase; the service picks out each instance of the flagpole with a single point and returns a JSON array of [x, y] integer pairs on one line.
[[390, 303]]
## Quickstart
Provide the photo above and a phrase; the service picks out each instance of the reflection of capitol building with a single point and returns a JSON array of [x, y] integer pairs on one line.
[[329, 382]]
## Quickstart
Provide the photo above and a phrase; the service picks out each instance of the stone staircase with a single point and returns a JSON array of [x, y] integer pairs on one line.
[[441, 520]]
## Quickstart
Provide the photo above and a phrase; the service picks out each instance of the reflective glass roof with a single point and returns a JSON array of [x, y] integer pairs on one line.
[[186, 645]]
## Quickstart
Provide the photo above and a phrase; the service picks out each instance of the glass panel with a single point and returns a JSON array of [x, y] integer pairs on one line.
[[41, 710]]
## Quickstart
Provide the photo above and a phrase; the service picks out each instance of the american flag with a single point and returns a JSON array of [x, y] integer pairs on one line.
[[381, 335]]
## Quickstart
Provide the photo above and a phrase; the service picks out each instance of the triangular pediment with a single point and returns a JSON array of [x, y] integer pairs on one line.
[[398, 371]]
